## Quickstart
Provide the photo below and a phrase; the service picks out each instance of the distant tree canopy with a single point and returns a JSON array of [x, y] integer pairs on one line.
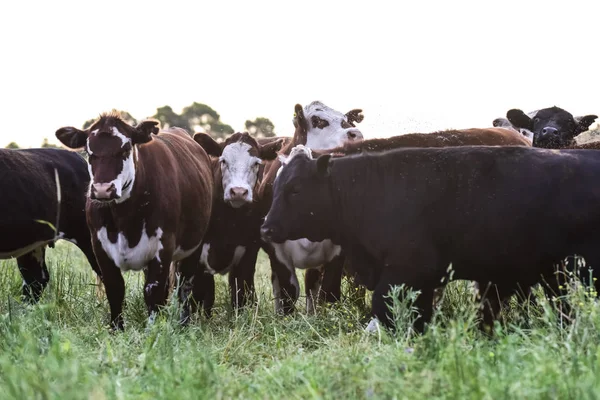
[[260, 127], [45, 143], [198, 117], [193, 118], [12, 145]]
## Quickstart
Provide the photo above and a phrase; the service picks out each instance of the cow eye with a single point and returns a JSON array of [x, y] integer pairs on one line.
[[536, 120], [223, 163], [319, 123]]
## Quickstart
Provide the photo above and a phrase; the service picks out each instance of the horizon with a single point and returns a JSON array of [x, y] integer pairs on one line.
[[410, 68]]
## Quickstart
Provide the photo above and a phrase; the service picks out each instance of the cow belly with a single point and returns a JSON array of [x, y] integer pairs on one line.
[[131, 258], [234, 259], [303, 253], [180, 254]]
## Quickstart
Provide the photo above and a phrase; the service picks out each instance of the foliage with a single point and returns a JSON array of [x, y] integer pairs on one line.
[[260, 127], [195, 117], [46, 144], [61, 348], [12, 145]]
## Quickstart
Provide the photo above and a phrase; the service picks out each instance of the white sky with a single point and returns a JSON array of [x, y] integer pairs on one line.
[[410, 65]]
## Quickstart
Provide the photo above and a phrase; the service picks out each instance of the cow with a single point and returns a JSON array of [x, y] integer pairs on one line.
[[505, 123], [553, 127], [149, 204], [318, 127], [43, 200], [405, 215], [232, 241]]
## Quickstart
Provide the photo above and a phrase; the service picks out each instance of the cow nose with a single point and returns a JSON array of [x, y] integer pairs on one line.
[[354, 134], [103, 190], [238, 193], [266, 234], [549, 131]]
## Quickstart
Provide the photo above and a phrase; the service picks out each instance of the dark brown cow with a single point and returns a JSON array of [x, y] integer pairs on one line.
[[317, 126], [232, 241], [149, 204]]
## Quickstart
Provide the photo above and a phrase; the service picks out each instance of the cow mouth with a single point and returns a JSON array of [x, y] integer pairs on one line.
[[237, 203]]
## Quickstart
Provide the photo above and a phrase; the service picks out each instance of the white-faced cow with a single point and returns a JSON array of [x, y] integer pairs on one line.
[[149, 204], [317, 127], [232, 241], [553, 128], [43, 199], [466, 206]]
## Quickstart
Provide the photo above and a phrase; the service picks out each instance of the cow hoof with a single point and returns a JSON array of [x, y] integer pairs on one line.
[[373, 326]]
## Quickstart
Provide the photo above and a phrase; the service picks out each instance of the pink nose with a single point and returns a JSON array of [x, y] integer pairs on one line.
[[354, 134], [238, 193], [103, 190]]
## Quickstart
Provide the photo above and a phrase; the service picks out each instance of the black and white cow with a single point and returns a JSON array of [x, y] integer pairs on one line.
[[553, 128], [43, 199], [232, 241]]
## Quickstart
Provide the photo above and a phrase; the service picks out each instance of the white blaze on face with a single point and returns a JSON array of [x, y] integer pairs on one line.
[[240, 173], [332, 135]]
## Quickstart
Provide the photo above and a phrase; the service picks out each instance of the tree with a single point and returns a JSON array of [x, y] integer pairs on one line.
[[45, 143], [125, 116], [260, 127], [193, 118], [12, 145]]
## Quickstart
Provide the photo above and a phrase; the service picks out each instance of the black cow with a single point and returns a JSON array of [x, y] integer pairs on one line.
[[404, 215], [553, 128], [34, 213]]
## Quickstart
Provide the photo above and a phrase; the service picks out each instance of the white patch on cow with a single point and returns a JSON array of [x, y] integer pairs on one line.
[[132, 258], [127, 175], [332, 135], [87, 145], [180, 254], [373, 326], [239, 170], [285, 160], [95, 132], [303, 254], [505, 123], [117, 133]]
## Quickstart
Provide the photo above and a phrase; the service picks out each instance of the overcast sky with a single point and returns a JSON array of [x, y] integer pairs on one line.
[[410, 65]]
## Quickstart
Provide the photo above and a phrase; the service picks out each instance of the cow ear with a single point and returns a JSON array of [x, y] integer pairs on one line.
[[324, 165], [519, 119], [355, 116], [269, 151], [299, 118], [209, 144], [584, 122], [143, 132], [72, 137]]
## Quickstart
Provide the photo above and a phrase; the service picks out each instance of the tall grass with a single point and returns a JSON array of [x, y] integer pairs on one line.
[[62, 349]]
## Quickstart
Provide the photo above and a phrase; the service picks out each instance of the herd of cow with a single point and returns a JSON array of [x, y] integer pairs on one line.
[[386, 211]]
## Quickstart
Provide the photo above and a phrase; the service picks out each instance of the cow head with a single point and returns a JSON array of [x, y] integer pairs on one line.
[[240, 157], [112, 153], [299, 149], [552, 127], [504, 123], [302, 204], [326, 128]]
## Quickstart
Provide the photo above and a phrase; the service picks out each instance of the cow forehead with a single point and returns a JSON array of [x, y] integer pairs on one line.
[[104, 143], [239, 152], [554, 113], [322, 111]]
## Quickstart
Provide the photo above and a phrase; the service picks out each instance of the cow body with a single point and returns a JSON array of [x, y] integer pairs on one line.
[[403, 216], [149, 205], [30, 207], [317, 127]]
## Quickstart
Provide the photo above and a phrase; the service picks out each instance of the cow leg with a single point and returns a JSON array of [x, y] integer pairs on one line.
[[286, 288], [191, 273], [35, 274], [114, 286], [312, 285], [241, 278], [492, 300], [157, 284], [331, 288]]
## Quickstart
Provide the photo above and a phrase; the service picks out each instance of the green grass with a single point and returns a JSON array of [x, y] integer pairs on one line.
[[62, 349]]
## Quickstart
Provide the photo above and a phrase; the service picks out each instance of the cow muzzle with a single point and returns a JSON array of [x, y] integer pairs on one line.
[[238, 196], [104, 191]]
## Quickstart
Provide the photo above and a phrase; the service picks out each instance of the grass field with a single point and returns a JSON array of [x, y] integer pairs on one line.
[[62, 349]]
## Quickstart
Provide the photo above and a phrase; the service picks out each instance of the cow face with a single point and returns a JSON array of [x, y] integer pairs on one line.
[[112, 154], [302, 205], [552, 127], [327, 128], [240, 157], [504, 123]]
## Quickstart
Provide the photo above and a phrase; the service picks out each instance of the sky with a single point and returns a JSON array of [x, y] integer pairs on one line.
[[412, 66]]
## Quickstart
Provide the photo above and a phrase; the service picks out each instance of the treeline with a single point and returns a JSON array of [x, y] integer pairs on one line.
[[196, 117]]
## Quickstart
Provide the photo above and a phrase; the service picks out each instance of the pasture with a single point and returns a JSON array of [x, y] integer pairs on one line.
[[62, 349]]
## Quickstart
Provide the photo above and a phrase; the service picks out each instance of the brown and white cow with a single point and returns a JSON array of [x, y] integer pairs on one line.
[[318, 127], [232, 241], [149, 204]]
